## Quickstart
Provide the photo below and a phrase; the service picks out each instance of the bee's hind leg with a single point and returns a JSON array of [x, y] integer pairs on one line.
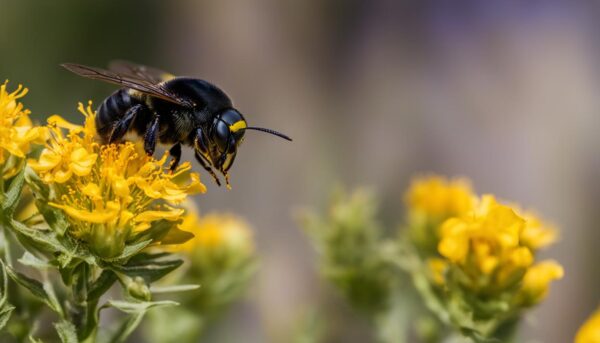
[[151, 136], [122, 126], [175, 153]]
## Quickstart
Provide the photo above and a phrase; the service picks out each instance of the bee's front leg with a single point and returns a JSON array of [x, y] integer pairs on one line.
[[151, 136], [206, 167]]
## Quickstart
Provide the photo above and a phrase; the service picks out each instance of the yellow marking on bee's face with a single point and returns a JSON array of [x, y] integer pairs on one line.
[[238, 125]]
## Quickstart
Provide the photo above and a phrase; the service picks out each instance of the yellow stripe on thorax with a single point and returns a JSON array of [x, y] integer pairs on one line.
[[238, 125]]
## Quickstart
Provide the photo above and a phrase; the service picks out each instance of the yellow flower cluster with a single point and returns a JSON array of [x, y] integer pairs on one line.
[[431, 200], [493, 249], [437, 197], [214, 231], [490, 246], [590, 330], [16, 131], [487, 246], [109, 192]]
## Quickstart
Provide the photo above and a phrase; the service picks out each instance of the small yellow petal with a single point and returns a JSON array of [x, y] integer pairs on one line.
[[149, 216], [97, 217]]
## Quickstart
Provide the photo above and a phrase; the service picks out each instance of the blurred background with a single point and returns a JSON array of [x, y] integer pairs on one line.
[[373, 92]]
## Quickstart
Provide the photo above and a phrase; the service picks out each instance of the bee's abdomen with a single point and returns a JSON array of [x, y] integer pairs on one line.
[[112, 110]]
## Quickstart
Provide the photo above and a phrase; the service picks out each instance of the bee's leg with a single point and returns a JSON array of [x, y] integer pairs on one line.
[[175, 153], [122, 126], [207, 168], [151, 136]]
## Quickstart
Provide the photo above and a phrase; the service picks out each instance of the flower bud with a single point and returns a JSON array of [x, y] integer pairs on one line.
[[138, 289]]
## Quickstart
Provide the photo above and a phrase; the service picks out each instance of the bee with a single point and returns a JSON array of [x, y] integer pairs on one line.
[[161, 107]]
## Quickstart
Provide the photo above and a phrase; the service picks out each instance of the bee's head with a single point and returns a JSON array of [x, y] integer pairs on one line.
[[219, 145]]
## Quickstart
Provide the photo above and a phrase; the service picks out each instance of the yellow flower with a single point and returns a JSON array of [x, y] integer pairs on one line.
[[109, 192], [487, 246], [590, 330], [16, 131], [68, 155], [537, 281], [438, 197], [215, 231], [431, 200], [487, 234], [537, 234]]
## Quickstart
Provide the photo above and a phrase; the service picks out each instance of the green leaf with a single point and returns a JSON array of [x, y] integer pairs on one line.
[[173, 289], [138, 307], [127, 327], [5, 308], [176, 236], [54, 217], [150, 271], [36, 288], [37, 186], [40, 238], [5, 313], [129, 251], [30, 260], [157, 230], [137, 311], [12, 195], [66, 331]]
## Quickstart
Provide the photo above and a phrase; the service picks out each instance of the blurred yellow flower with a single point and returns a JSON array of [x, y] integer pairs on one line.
[[590, 330], [431, 200], [439, 197], [215, 231], [109, 192], [537, 281], [537, 234], [488, 238], [16, 130], [487, 246]]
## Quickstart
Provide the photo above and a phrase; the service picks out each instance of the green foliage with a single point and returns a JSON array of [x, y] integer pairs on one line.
[[357, 258], [349, 242]]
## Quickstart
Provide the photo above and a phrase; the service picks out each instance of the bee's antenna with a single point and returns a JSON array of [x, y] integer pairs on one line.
[[273, 132]]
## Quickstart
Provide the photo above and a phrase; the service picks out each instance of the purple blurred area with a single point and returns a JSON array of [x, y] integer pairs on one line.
[[373, 92]]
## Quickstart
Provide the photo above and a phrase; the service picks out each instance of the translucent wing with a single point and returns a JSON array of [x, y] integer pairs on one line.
[[139, 71], [145, 86]]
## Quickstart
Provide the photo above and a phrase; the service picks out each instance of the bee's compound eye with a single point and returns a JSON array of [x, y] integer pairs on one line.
[[222, 135]]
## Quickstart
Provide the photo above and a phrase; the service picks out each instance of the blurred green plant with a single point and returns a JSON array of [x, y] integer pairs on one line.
[[221, 259], [355, 257]]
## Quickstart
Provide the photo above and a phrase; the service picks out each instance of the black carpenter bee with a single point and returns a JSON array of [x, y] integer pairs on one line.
[[171, 110]]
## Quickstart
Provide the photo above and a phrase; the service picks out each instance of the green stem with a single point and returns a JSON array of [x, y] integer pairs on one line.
[[83, 314]]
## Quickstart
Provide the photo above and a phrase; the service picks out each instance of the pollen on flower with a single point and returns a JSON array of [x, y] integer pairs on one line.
[[114, 189], [16, 130]]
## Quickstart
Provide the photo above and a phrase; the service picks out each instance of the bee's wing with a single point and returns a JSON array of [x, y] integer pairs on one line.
[[153, 89], [139, 71]]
